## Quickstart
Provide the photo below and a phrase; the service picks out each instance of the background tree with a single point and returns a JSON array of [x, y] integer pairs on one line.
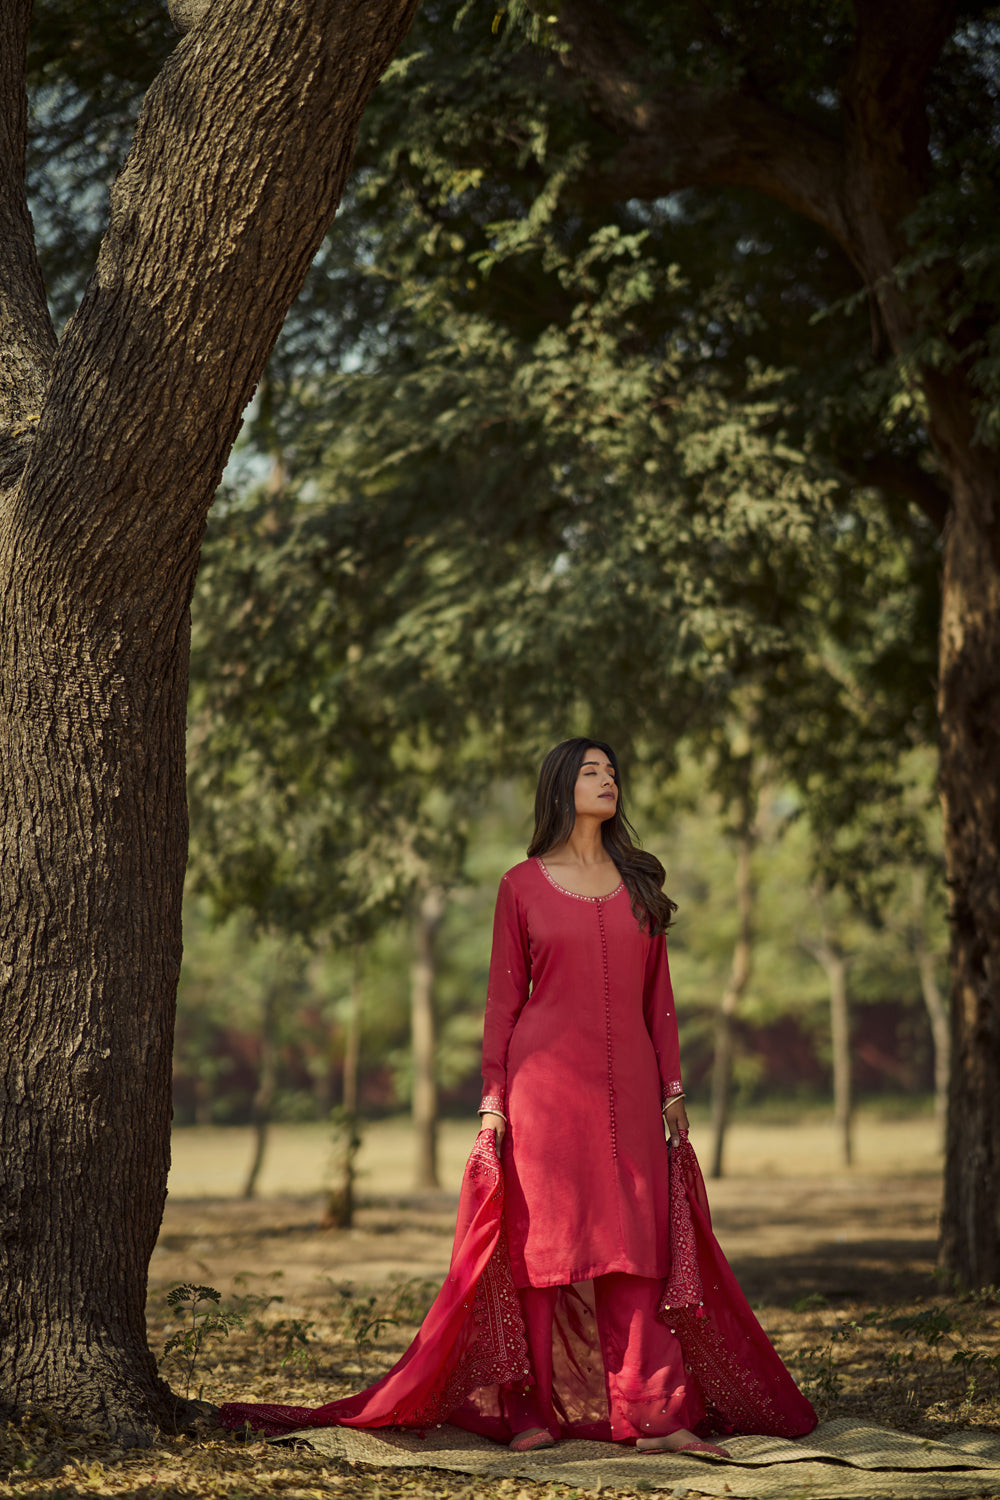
[[112, 449], [697, 587], [744, 826], [835, 962]]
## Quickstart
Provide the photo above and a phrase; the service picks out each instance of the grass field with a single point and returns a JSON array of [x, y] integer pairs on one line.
[[213, 1161]]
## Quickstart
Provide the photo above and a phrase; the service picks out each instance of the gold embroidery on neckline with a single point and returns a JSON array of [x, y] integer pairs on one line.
[[576, 894]]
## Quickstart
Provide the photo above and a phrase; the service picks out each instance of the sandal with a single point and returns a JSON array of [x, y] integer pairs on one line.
[[649, 1445], [530, 1439]]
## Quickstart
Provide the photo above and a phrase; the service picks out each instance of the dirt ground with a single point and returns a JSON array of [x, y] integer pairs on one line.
[[838, 1263]]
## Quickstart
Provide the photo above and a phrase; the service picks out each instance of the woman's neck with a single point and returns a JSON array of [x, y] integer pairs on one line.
[[584, 846]]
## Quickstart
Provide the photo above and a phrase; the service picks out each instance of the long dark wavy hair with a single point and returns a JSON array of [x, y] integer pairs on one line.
[[555, 815]]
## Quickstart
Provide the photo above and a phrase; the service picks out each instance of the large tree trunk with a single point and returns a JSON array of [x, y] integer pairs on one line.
[[424, 1040], [239, 159], [969, 699]]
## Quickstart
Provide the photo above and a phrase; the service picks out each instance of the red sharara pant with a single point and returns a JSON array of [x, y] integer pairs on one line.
[[648, 1392]]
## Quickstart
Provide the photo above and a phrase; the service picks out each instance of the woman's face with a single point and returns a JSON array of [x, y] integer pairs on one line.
[[596, 793]]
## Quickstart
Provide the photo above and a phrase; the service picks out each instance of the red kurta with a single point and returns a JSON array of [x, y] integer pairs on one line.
[[579, 1051]]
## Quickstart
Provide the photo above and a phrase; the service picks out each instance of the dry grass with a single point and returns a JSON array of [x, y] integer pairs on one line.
[[212, 1161], [839, 1267]]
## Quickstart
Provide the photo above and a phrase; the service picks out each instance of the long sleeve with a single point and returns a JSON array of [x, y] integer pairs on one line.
[[510, 980], [661, 1019]]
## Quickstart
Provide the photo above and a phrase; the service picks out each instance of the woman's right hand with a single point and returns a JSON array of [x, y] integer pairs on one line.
[[676, 1120], [489, 1121]]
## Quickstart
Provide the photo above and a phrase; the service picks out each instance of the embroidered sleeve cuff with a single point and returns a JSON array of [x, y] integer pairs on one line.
[[492, 1104], [672, 1090]]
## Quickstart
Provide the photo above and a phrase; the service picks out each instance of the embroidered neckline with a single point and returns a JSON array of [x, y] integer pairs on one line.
[[576, 894]]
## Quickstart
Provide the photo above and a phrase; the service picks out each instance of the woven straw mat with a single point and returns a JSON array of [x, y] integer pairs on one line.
[[843, 1458]]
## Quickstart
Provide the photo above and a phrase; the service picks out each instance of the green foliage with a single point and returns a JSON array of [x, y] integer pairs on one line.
[[231, 978], [364, 1315], [204, 1320], [89, 64], [784, 1025], [553, 460], [366, 1326]]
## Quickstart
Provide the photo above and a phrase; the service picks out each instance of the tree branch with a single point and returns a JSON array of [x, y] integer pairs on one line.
[[677, 134], [859, 185], [27, 339], [896, 44], [239, 159], [885, 118], [903, 477]]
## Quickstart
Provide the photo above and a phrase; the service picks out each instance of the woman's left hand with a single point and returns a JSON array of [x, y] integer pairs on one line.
[[675, 1116]]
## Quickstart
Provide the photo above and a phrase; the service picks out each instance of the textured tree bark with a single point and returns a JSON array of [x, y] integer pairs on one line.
[[238, 162], [860, 183], [969, 698], [424, 1030]]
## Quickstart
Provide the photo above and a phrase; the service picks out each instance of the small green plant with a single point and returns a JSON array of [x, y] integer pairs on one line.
[[204, 1319], [291, 1339], [365, 1324], [811, 1302], [920, 1336], [820, 1378], [975, 1364], [363, 1315], [408, 1298]]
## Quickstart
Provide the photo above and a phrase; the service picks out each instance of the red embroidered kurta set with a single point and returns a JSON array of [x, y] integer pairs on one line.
[[587, 1292]]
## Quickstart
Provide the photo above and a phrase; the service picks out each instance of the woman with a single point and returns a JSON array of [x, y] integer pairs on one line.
[[587, 1295], [580, 1055]]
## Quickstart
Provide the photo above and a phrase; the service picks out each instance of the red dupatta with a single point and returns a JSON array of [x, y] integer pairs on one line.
[[745, 1385], [472, 1336]]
